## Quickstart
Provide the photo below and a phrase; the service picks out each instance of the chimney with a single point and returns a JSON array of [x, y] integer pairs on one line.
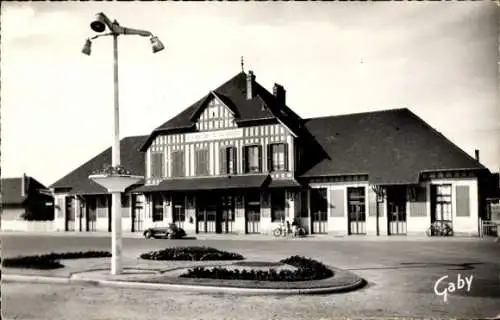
[[280, 93], [477, 155], [250, 85], [23, 185]]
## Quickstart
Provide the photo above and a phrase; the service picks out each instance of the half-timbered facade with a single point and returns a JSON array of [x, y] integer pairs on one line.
[[240, 161]]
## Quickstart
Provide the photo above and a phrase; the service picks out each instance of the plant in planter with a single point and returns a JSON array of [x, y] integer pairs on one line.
[[110, 170], [191, 254], [51, 260], [307, 269]]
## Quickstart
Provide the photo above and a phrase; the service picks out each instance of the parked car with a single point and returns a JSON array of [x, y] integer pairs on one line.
[[170, 232]]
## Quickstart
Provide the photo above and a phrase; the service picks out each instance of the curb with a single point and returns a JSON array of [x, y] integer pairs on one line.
[[34, 279], [166, 286]]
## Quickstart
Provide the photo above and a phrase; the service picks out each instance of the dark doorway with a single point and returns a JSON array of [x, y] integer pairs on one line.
[[179, 210], [215, 212], [252, 211], [70, 214], [396, 210], [110, 221], [441, 210], [91, 213], [356, 202], [228, 213], [319, 210], [137, 213], [206, 213]]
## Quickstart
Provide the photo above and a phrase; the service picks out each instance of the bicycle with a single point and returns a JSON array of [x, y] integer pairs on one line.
[[439, 228], [283, 230]]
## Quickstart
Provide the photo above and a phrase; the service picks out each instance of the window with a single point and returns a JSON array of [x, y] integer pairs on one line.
[[277, 157], [442, 202], [157, 165], [179, 213], [278, 205], [125, 200], [201, 158], [178, 169], [228, 160], [356, 203], [157, 207], [252, 160]]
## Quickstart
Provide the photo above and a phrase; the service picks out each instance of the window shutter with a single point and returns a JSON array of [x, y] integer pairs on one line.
[[285, 146], [174, 164], [244, 159], [260, 158], [182, 162], [162, 165], [269, 157], [153, 165], [223, 161], [235, 161]]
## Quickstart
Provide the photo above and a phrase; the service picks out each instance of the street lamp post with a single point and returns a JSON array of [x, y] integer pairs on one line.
[[115, 178]]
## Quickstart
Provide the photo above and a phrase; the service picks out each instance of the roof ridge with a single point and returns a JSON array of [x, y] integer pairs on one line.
[[357, 113]]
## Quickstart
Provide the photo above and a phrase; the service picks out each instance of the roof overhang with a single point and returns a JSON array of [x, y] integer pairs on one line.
[[205, 184], [158, 132], [284, 183]]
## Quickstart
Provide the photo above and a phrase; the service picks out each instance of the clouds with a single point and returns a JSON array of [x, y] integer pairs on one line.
[[439, 59]]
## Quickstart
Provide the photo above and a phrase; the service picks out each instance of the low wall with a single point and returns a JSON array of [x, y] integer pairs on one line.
[[28, 226]]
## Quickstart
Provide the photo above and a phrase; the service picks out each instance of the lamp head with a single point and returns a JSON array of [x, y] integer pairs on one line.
[[86, 47], [156, 44], [98, 24]]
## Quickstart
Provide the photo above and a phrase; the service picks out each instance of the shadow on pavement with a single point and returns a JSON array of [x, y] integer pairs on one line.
[[411, 265]]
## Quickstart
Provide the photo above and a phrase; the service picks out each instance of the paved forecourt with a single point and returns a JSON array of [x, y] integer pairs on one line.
[[402, 280]]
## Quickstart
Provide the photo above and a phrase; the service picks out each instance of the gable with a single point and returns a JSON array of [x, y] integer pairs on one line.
[[232, 94], [215, 115]]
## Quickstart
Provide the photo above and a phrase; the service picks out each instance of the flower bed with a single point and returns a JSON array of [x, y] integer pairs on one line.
[[307, 269], [191, 254], [51, 260]]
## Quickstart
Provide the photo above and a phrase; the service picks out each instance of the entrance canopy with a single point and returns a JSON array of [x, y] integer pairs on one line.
[[215, 183]]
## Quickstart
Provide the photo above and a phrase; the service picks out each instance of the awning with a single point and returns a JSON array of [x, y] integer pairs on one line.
[[284, 183], [216, 183]]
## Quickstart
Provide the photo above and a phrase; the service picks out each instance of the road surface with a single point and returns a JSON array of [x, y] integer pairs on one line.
[[402, 276]]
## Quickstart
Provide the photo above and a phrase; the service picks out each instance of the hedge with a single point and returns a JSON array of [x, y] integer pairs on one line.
[[51, 260], [307, 269], [191, 254]]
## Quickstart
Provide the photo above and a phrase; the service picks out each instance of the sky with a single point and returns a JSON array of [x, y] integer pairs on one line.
[[439, 59]]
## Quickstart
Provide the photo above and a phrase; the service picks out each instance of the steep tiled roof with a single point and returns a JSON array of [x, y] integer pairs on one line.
[[263, 105], [392, 146], [130, 157], [11, 191]]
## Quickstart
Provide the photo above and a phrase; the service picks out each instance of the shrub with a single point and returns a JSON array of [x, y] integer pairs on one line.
[[307, 269], [191, 254], [51, 260]]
